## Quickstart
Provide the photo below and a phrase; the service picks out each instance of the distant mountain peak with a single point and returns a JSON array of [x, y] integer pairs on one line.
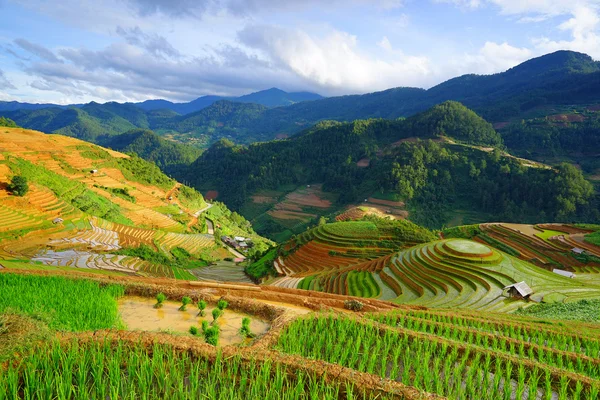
[[562, 60]]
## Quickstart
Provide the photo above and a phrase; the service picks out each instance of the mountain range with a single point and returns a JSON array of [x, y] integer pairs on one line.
[[269, 98], [535, 86]]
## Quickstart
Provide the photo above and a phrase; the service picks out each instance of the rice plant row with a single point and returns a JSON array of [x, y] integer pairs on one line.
[[101, 370], [544, 335], [436, 365], [71, 305], [571, 361]]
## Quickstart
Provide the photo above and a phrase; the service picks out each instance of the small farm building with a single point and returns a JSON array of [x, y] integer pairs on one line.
[[57, 221], [577, 250], [519, 290], [563, 273], [94, 171]]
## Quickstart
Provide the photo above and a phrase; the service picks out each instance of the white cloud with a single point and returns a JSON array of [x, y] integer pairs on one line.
[[334, 62], [490, 58], [385, 44]]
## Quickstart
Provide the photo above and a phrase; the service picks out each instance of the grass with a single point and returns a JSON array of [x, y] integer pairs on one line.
[[593, 238], [547, 234], [74, 192], [263, 266], [64, 304], [584, 310]]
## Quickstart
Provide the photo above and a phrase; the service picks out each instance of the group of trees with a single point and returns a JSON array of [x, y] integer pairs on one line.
[[547, 137], [433, 177]]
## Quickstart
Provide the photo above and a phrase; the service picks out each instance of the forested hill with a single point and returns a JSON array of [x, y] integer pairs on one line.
[[430, 161], [537, 86], [169, 156]]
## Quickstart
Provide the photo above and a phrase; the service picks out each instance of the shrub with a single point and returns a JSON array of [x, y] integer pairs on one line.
[[184, 302], [18, 186], [353, 305]]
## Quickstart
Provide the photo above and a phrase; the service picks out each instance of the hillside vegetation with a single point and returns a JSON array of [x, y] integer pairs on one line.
[[437, 177], [90, 208]]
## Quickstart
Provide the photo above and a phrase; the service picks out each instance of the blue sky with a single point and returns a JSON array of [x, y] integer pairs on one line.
[[76, 51]]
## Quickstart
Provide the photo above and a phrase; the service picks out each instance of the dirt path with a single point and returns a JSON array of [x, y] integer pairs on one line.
[[195, 216], [235, 252], [211, 226], [170, 192]]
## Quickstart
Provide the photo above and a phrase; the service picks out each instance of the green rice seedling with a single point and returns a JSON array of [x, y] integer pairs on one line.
[[534, 380], [194, 330], [563, 389], [594, 392], [202, 306], [245, 329], [211, 335], [216, 313], [222, 304], [204, 326], [160, 299], [184, 302]]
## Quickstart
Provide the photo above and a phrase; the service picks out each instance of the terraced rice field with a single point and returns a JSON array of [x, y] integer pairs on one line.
[[97, 238], [12, 219], [193, 243], [453, 273], [88, 260], [548, 246], [297, 205], [223, 271], [334, 246]]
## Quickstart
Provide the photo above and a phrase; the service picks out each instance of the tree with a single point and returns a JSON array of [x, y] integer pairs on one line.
[[19, 186]]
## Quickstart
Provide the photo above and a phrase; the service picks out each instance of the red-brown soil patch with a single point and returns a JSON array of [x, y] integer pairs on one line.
[[282, 136], [386, 202], [566, 117], [500, 125], [284, 214], [594, 108], [263, 199], [309, 199], [211, 195], [363, 163]]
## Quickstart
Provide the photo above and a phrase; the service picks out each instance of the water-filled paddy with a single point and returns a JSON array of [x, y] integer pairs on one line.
[[138, 313]]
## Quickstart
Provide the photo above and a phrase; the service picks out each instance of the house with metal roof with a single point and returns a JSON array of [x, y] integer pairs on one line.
[[519, 290], [562, 272]]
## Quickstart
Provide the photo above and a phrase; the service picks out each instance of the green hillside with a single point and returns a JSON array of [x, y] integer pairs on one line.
[[439, 180], [93, 209], [167, 155]]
